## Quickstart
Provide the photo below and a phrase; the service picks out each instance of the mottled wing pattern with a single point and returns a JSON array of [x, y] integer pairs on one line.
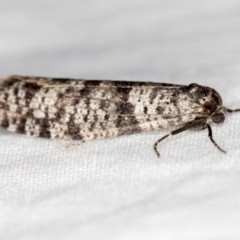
[[85, 110]]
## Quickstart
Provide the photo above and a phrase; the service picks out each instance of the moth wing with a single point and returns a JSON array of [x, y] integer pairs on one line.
[[93, 109], [79, 83]]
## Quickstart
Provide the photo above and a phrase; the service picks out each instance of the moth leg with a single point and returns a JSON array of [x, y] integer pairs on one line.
[[69, 143], [196, 124], [212, 140], [232, 110], [73, 145], [182, 129]]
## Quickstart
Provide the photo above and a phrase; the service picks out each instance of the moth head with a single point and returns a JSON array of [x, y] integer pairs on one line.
[[208, 98]]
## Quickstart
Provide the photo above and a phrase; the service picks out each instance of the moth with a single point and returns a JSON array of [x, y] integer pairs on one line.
[[72, 109]]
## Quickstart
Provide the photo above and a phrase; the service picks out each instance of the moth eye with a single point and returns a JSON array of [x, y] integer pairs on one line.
[[218, 118]]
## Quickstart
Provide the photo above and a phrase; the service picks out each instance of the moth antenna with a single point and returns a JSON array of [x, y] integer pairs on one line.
[[212, 140], [233, 110]]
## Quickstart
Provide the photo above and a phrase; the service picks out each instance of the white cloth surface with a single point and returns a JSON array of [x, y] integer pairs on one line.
[[117, 188]]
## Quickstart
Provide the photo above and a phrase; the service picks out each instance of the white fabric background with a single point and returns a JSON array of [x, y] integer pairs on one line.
[[117, 188]]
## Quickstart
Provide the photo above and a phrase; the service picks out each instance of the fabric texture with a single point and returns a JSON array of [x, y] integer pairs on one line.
[[117, 188]]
